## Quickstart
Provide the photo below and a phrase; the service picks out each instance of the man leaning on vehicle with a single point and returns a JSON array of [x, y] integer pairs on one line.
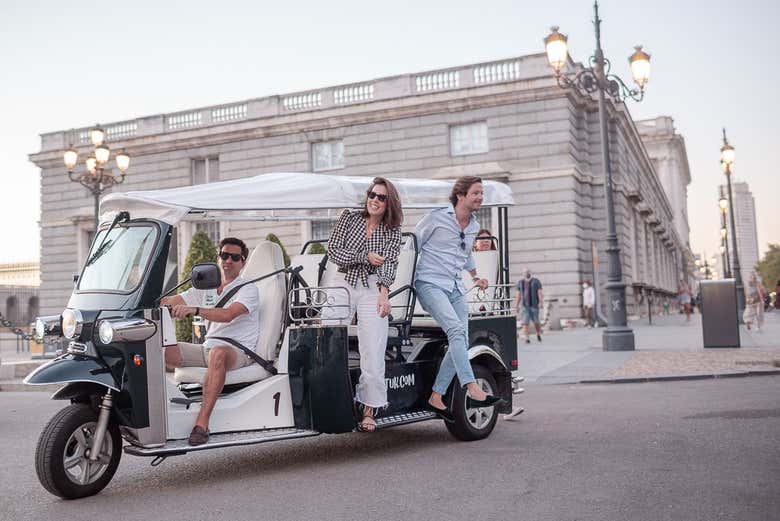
[[237, 319]]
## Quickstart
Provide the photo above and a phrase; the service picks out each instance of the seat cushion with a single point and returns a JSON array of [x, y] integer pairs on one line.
[[250, 373]]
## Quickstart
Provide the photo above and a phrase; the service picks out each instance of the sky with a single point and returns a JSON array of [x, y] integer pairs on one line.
[[70, 64]]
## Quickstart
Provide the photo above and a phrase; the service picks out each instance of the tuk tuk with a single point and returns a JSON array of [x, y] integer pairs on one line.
[[113, 371]]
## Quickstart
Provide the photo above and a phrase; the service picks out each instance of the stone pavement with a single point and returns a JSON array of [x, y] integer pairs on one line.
[[668, 349]]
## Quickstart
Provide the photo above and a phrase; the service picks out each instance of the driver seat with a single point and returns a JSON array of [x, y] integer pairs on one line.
[[265, 258]]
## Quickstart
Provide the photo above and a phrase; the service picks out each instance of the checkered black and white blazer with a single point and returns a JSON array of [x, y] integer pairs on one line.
[[348, 248]]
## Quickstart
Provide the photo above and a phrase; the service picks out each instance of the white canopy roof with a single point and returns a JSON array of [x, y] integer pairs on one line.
[[281, 196]]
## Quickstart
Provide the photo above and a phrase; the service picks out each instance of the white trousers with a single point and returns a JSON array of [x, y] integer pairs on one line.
[[372, 333]]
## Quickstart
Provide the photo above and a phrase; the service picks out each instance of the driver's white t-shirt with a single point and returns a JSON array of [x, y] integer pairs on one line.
[[244, 328]]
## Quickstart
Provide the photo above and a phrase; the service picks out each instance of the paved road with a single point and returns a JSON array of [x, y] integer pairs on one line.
[[653, 451]]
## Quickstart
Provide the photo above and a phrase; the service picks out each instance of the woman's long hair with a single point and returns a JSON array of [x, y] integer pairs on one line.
[[394, 215]]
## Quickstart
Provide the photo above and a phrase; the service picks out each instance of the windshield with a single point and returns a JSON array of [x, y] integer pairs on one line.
[[117, 261]]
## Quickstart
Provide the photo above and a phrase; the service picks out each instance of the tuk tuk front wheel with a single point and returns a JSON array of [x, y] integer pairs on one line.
[[475, 423], [62, 456]]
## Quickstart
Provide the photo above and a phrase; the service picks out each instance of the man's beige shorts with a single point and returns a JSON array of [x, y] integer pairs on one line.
[[197, 355]]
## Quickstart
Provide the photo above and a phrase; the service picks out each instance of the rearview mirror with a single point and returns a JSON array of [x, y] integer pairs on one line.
[[205, 275]]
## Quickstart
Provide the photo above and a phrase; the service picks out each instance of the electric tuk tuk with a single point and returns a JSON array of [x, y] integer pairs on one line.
[[113, 371]]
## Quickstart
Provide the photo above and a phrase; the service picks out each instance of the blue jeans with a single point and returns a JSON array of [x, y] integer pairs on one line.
[[450, 310]]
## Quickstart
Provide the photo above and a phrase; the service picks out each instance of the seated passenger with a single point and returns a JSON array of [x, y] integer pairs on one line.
[[237, 319], [484, 241], [365, 245]]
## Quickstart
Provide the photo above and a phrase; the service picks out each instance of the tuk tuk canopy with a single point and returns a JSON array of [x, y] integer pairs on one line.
[[281, 196]]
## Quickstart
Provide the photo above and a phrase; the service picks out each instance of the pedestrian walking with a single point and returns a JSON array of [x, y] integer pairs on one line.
[[446, 238], [588, 301], [777, 295], [527, 302], [754, 303], [684, 295]]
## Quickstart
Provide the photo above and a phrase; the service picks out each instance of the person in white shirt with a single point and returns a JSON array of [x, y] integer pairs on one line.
[[588, 301], [237, 319]]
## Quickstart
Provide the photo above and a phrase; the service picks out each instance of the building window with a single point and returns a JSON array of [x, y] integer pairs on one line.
[[211, 228], [484, 217], [205, 170], [327, 155], [468, 139], [321, 229]]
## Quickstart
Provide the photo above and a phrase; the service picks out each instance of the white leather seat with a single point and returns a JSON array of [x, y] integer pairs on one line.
[[311, 266], [403, 276], [265, 258], [487, 268]]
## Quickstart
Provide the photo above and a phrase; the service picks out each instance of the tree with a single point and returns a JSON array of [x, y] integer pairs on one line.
[[317, 248], [201, 250], [273, 238], [769, 266]]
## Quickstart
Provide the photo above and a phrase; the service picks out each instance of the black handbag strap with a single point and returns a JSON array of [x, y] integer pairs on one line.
[[262, 362]]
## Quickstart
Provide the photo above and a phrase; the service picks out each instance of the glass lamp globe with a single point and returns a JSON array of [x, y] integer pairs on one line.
[[557, 49]]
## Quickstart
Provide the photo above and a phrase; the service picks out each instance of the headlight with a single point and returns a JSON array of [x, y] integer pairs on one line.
[[40, 328], [106, 332], [71, 323]]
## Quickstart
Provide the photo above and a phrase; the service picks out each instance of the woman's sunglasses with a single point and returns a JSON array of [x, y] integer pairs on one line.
[[462, 241], [235, 257], [382, 197]]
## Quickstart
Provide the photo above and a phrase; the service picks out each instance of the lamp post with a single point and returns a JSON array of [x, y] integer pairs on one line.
[[723, 203], [597, 79], [706, 266], [727, 156], [95, 178]]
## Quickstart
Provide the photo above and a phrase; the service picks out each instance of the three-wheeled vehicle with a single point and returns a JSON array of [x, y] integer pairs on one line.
[[114, 372]]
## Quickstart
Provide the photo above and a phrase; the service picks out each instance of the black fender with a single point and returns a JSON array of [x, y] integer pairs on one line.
[[72, 368], [485, 355], [82, 392]]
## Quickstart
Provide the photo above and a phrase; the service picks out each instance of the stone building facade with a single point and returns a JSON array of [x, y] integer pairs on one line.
[[507, 121], [744, 205], [19, 283]]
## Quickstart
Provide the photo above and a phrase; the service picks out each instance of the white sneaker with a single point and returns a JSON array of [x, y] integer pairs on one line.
[[516, 411]]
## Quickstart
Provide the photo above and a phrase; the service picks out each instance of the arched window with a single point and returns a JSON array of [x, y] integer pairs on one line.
[[32, 309], [12, 310]]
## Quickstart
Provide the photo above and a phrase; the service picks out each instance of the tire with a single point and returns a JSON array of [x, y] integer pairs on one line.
[[67, 436], [473, 424]]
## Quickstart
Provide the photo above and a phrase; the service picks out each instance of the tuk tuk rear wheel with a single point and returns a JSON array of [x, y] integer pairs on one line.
[[476, 423], [61, 458]]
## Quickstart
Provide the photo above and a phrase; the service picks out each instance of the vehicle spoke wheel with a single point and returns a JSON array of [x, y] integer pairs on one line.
[[473, 423], [62, 457], [479, 417], [78, 466]]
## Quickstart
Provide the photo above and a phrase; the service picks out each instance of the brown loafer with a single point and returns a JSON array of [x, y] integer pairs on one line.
[[198, 436]]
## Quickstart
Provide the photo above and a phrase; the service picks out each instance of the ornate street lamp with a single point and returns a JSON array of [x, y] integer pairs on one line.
[[96, 179], [723, 204], [727, 156], [597, 79]]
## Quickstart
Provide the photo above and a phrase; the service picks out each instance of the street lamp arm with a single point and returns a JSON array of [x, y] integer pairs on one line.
[[586, 81], [618, 89]]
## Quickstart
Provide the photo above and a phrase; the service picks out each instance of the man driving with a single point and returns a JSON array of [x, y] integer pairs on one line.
[[237, 319]]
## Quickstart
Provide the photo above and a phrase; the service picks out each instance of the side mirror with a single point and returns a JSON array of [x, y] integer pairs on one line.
[[205, 275]]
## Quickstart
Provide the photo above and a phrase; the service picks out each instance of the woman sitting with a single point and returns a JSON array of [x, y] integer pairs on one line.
[[365, 245]]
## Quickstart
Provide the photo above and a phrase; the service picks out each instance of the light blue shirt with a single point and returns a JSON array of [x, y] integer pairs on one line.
[[441, 257]]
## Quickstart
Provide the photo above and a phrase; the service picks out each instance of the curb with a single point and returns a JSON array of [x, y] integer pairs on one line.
[[671, 378]]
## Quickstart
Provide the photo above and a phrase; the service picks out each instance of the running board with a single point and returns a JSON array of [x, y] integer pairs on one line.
[[384, 422], [230, 439]]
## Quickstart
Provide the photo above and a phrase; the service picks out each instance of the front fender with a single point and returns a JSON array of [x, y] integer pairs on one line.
[[72, 368]]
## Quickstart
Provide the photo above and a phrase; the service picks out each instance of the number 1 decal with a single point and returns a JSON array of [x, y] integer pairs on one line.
[[276, 403]]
